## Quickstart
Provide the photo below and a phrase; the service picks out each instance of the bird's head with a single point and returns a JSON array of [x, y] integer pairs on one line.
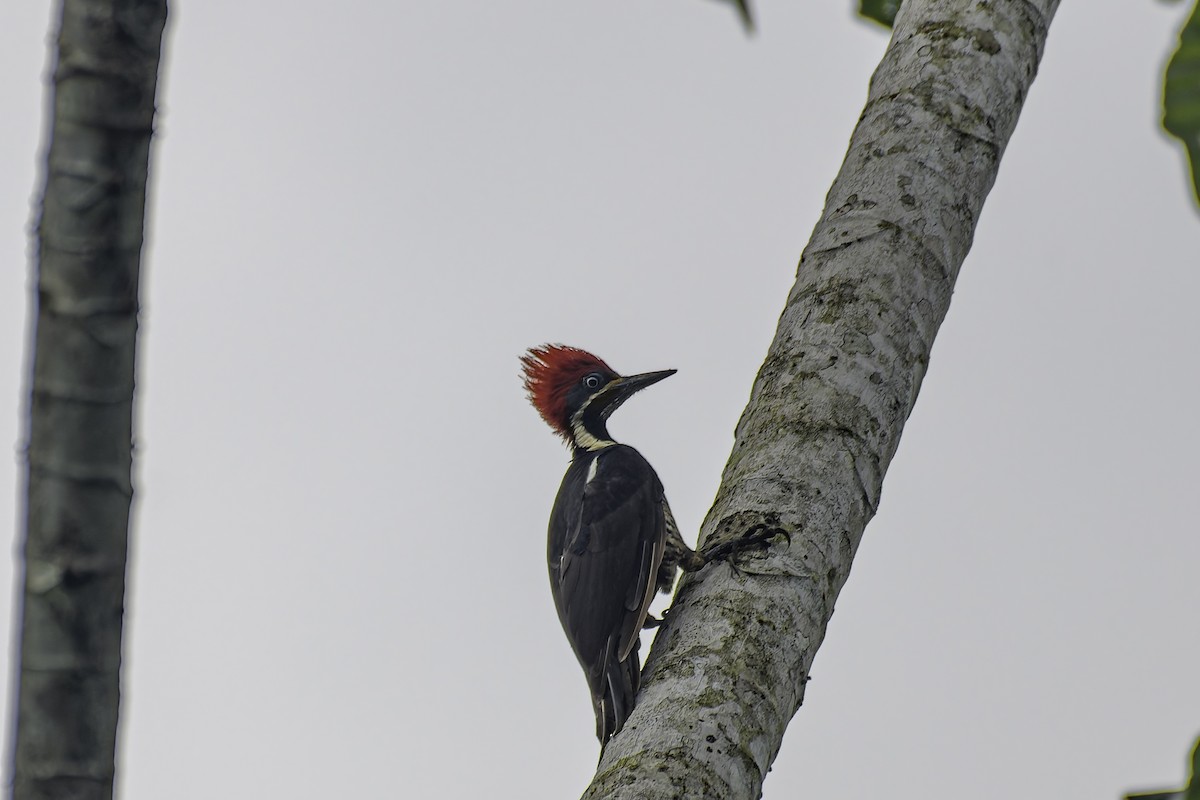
[[576, 392]]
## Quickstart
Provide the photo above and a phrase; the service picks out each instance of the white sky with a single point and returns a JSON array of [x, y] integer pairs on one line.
[[365, 211]]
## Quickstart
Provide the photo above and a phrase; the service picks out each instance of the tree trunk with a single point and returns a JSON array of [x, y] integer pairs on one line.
[[728, 669], [80, 432]]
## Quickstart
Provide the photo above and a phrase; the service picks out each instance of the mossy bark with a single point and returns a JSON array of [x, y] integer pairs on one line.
[[729, 667]]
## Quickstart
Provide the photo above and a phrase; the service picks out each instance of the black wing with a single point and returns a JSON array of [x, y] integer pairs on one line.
[[607, 535]]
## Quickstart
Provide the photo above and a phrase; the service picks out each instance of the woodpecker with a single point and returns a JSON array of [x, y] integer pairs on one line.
[[613, 542], [609, 528]]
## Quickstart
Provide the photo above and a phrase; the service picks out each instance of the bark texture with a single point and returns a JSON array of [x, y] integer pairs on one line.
[[728, 669], [81, 430]]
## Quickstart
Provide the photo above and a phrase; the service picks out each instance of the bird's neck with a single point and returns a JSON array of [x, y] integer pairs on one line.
[[589, 435]]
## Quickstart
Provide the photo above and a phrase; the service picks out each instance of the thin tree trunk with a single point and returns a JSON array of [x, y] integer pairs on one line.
[[80, 434], [728, 669]]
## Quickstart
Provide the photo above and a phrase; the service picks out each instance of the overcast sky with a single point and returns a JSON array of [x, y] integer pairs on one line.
[[364, 212]]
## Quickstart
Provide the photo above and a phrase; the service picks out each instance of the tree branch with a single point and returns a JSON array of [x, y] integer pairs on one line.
[[729, 666], [81, 412]]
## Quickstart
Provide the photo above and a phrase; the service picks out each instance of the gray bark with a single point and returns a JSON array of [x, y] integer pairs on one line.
[[728, 669], [81, 430]]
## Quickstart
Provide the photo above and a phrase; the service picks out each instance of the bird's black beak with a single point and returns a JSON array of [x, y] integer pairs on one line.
[[635, 383], [621, 389]]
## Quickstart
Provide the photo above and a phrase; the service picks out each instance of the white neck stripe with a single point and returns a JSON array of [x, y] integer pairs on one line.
[[584, 440]]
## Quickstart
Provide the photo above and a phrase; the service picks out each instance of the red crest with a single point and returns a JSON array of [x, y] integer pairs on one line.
[[550, 371]]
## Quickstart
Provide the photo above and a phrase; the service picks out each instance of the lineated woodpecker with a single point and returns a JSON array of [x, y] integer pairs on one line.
[[613, 542]]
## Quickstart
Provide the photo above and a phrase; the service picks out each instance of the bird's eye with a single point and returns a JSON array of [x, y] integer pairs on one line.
[[593, 381]]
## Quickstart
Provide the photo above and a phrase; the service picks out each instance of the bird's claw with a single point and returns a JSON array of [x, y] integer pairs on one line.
[[651, 622], [757, 536]]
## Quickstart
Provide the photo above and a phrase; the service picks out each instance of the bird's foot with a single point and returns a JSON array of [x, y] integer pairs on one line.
[[759, 536], [651, 622]]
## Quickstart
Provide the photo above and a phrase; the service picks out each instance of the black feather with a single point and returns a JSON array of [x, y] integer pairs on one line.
[[605, 547]]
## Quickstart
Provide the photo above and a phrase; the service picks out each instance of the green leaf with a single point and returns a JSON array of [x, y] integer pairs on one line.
[[882, 11], [743, 7], [1189, 792], [1192, 792], [1181, 95]]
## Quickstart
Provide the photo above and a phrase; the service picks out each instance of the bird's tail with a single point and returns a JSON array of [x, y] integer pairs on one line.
[[614, 692]]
